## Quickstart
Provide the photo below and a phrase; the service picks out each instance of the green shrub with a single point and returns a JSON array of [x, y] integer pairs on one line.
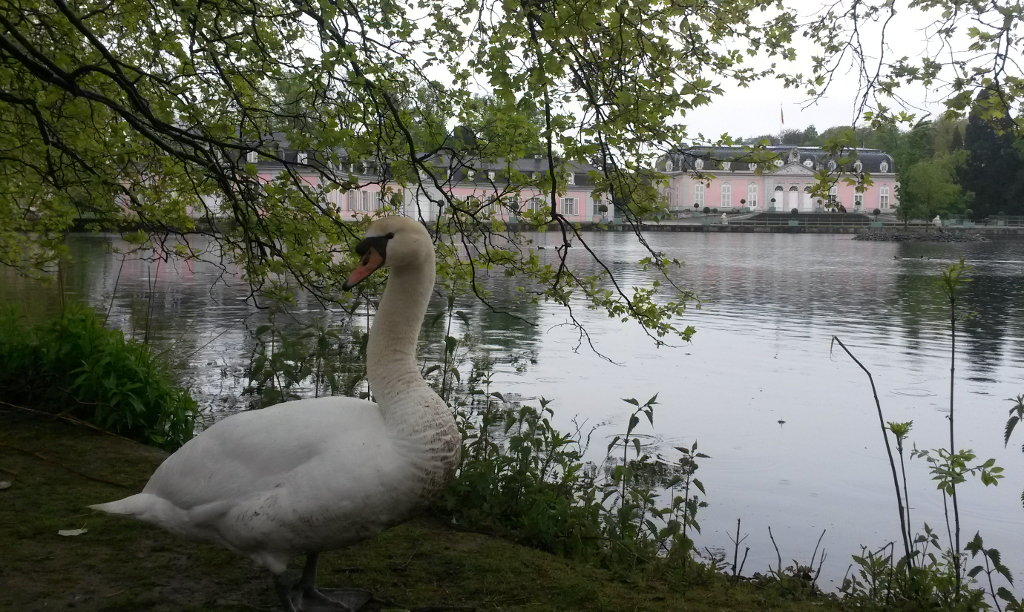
[[74, 365], [523, 479]]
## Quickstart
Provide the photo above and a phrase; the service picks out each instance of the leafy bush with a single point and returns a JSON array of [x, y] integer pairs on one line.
[[522, 478], [74, 365]]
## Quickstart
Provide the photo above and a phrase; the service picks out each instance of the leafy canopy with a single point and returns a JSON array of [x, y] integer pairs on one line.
[[141, 116]]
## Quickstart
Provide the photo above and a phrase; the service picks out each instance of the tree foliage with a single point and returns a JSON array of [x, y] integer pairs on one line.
[[929, 187], [140, 117], [994, 170]]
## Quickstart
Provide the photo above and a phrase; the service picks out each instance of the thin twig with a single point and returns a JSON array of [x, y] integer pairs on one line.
[[68, 418], [59, 464], [776, 550], [888, 450]]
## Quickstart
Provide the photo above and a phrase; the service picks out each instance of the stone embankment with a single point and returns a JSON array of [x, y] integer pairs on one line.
[[938, 235]]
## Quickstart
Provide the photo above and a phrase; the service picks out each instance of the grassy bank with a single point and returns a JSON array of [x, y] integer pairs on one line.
[[56, 469]]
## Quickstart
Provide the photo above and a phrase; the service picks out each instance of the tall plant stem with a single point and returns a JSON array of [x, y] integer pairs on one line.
[[903, 470], [952, 280], [113, 295], [952, 447], [888, 451]]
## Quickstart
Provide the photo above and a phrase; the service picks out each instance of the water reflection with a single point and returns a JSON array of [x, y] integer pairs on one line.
[[790, 426]]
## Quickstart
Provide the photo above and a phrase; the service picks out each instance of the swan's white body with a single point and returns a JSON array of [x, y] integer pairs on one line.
[[319, 474]]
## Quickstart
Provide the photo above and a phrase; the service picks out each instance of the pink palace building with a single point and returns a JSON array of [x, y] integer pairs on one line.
[[489, 185], [727, 180]]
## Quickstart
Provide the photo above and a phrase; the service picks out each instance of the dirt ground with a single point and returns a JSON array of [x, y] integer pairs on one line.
[[56, 469]]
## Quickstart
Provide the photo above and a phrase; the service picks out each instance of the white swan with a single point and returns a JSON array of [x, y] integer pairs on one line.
[[319, 474]]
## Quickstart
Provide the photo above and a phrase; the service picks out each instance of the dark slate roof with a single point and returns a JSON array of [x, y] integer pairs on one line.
[[740, 157], [460, 169]]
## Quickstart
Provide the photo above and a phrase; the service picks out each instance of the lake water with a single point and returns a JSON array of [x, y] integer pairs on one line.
[[790, 425]]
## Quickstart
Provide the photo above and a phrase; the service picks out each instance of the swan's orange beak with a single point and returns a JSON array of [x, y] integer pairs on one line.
[[370, 261]]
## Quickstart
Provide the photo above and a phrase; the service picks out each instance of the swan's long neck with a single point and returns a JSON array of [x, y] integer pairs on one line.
[[391, 367], [418, 421]]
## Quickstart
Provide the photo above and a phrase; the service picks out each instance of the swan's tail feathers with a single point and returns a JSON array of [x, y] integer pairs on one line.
[[143, 506]]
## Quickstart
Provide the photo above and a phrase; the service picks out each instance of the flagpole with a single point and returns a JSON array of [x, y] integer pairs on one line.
[[782, 122]]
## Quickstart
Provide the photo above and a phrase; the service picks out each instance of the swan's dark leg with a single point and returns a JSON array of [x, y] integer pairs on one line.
[[308, 580], [304, 596], [283, 587]]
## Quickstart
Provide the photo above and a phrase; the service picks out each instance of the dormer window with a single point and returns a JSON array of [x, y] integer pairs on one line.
[[698, 165], [883, 167], [808, 164], [252, 157], [668, 166], [778, 163], [831, 166], [470, 174], [301, 157], [858, 166], [726, 165], [490, 175], [570, 178]]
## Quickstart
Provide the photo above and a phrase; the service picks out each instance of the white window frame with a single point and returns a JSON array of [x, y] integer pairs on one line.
[[252, 157], [726, 165], [883, 197], [698, 194], [365, 201], [490, 175], [669, 166], [533, 203], [883, 167], [353, 199], [301, 157], [858, 200], [698, 164], [570, 206], [570, 178], [752, 195], [726, 201]]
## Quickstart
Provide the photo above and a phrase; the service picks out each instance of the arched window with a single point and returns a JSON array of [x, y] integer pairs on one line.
[[668, 166], [726, 165], [883, 167], [698, 165], [726, 195], [833, 194], [752, 195], [832, 165], [883, 197], [698, 194], [858, 166]]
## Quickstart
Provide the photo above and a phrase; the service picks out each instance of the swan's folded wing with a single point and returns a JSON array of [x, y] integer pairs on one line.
[[257, 451]]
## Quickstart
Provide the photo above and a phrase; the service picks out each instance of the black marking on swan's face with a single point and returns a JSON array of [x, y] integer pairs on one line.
[[372, 252], [377, 243]]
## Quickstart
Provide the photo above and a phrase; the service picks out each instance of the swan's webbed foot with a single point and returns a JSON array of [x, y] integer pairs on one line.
[[305, 596]]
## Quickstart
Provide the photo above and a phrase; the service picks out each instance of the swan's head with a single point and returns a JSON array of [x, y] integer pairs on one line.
[[390, 242]]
